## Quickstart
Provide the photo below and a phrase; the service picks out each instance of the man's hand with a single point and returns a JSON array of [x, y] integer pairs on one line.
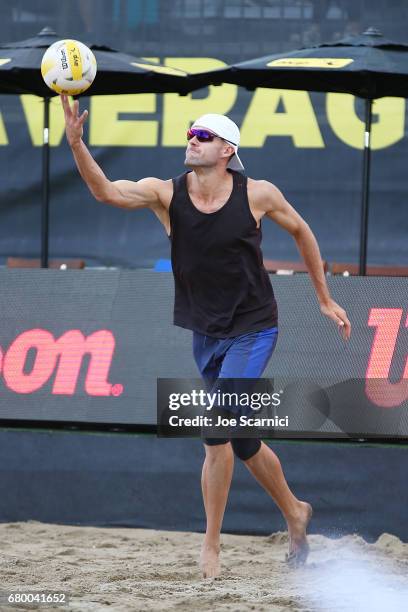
[[73, 122], [335, 312]]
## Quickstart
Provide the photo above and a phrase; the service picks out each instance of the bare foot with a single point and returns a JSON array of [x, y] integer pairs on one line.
[[298, 545], [210, 562]]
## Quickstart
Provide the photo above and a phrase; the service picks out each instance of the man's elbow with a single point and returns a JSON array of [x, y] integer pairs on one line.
[[301, 231], [100, 197], [107, 194]]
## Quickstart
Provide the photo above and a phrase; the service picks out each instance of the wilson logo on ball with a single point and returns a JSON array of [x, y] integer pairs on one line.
[[68, 67]]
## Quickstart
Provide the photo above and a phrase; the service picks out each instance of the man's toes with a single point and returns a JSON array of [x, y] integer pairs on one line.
[[290, 558], [298, 556], [211, 571]]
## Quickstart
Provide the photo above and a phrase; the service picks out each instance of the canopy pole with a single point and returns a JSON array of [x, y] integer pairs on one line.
[[45, 185], [366, 189]]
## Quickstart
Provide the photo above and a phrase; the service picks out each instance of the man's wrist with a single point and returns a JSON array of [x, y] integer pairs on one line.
[[326, 301], [76, 144]]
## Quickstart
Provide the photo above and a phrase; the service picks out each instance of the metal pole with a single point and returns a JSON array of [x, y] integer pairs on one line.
[[366, 189], [46, 185]]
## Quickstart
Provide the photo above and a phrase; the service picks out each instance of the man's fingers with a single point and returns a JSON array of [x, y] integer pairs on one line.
[[345, 332], [83, 117], [339, 316], [347, 329], [65, 104], [344, 327]]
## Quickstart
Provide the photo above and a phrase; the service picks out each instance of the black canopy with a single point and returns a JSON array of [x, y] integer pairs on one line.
[[367, 65]]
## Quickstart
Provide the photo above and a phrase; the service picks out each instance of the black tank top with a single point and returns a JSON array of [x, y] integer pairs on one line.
[[221, 286]]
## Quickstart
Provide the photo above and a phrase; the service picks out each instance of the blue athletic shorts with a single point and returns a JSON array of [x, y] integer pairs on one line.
[[244, 356]]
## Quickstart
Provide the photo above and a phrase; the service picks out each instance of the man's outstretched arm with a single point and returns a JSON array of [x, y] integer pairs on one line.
[[124, 194], [277, 208]]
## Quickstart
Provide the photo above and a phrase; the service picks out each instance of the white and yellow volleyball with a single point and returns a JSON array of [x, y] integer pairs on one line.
[[68, 67]]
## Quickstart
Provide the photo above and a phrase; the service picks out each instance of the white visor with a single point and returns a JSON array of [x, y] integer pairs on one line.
[[225, 128]]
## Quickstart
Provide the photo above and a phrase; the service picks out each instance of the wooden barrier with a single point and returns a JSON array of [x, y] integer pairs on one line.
[[352, 269], [20, 262], [276, 266]]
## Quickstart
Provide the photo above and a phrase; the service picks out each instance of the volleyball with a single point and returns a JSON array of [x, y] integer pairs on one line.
[[68, 67]]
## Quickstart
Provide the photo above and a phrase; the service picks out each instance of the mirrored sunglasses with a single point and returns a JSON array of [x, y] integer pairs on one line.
[[201, 135]]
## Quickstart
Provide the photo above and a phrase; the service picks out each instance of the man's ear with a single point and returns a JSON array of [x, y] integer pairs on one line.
[[229, 150]]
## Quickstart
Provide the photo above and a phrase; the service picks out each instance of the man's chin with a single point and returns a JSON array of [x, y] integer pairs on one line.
[[196, 163], [190, 163]]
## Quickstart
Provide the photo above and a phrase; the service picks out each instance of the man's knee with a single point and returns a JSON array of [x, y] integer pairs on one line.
[[245, 448], [215, 448]]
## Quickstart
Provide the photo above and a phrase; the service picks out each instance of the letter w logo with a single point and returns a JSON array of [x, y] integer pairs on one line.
[[379, 389]]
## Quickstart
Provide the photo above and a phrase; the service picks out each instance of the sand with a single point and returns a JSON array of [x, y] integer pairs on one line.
[[137, 569]]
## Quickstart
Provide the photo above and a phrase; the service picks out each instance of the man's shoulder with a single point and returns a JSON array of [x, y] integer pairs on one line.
[[162, 187], [166, 191], [261, 190], [260, 184]]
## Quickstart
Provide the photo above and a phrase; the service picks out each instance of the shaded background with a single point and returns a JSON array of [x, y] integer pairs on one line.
[[324, 184], [138, 481]]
